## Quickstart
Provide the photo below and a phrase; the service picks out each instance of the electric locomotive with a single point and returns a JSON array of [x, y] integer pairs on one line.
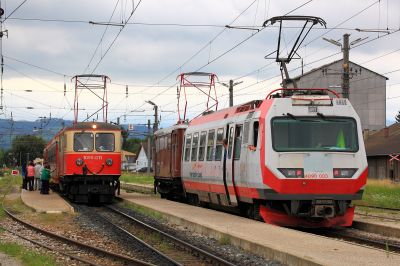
[[296, 158], [85, 161]]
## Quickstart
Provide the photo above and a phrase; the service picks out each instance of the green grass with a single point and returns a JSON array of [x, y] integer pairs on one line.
[[137, 178], [382, 193], [26, 256], [7, 183]]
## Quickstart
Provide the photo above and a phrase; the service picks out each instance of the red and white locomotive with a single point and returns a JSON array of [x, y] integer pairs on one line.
[[296, 158], [85, 161]]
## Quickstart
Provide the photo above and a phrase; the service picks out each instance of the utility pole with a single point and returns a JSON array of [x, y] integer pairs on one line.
[[148, 148], [346, 73], [230, 86], [155, 108], [346, 61]]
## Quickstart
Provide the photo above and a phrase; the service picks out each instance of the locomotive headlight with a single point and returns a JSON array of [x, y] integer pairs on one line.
[[344, 172], [79, 162], [292, 172], [109, 161]]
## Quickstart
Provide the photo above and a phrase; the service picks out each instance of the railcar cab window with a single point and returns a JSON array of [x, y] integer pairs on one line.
[[255, 134], [105, 142], [210, 144], [202, 146], [187, 147], [195, 146], [219, 146], [83, 141], [337, 134]]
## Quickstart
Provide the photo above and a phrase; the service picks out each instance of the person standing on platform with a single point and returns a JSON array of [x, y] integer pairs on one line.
[[23, 174], [30, 175], [38, 172], [45, 178]]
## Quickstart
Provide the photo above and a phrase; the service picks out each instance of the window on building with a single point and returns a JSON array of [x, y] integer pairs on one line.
[[195, 146], [210, 144], [219, 146], [202, 146], [187, 147]]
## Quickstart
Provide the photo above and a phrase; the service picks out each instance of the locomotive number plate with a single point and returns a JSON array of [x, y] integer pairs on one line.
[[93, 157], [316, 175]]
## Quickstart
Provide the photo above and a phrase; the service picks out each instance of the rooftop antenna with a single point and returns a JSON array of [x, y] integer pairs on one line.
[[309, 22]]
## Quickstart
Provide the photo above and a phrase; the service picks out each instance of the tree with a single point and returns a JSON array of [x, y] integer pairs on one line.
[[27, 147], [397, 117], [132, 145]]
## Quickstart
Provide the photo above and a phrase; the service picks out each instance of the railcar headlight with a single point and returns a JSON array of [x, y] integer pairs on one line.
[[344, 172], [109, 161], [79, 162], [292, 172]]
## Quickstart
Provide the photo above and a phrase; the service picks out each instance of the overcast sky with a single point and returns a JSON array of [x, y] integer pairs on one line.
[[50, 41]]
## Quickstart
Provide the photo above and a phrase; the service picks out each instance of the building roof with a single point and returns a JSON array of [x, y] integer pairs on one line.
[[144, 146], [377, 144], [334, 62]]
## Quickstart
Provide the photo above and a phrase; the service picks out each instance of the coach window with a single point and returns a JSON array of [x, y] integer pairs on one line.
[[187, 147], [83, 141], [255, 133], [202, 146], [230, 143], [195, 146], [105, 142], [238, 143], [210, 144], [169, 142], [219, 145]]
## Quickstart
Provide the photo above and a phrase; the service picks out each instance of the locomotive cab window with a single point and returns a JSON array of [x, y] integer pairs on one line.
[[255, 134], [338, 134], [105, 142], [83, 141]]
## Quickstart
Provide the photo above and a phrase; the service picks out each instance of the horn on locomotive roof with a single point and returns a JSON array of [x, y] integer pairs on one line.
[[309, 22], [197, 80], [92, 83]]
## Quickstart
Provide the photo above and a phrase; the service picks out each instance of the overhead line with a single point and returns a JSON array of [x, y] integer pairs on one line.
[[23, 2]]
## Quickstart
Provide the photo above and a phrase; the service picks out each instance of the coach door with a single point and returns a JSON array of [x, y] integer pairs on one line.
[[230, 165]]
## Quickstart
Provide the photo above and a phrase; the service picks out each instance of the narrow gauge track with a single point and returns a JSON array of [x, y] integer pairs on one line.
[[104, 254], [192, 255]]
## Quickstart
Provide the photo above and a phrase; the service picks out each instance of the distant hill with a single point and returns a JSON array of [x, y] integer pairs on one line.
[[47, 128]]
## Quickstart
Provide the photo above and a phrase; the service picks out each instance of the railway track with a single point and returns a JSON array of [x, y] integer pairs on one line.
[[174, 250], [366, 214], [74, 247]]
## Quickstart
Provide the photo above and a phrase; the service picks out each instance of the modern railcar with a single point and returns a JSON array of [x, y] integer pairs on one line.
[[296, 158], [85, 161]]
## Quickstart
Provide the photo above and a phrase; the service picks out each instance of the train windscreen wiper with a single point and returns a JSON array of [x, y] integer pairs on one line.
[[301, 120]]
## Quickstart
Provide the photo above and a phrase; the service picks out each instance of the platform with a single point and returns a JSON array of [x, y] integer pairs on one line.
[[272, 242], [48, 203]]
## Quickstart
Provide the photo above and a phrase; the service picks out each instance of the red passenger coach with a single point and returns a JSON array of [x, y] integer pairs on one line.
[[85, 161], [296, 158]]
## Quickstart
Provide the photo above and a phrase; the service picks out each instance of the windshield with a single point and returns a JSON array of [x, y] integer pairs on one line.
[[83, 141], [104, 141], [314, 134]]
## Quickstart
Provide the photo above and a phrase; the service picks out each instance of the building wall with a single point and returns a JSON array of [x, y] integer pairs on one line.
[[380, 168], [141, 160], [367, 91]]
